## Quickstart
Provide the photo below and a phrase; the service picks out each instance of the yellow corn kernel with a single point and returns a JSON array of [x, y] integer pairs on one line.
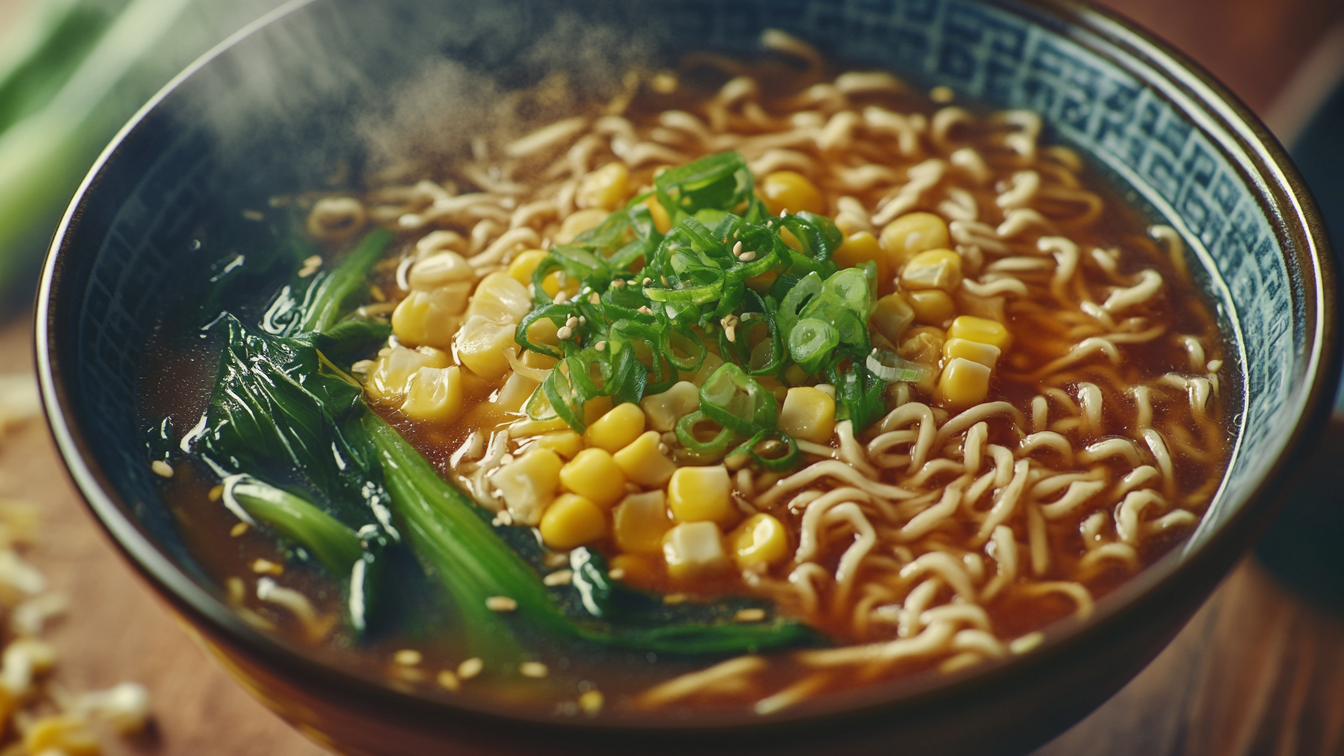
[[524, 264], [430, 318], [699, 494], [764, 281], [537, 359], [605, 187], [661, 220], [616, 429], [892, 316], [61, 734], [572, 520], [394, 368], [963, 383], [595, 408], [760, 540], [711, 363], [860, 248], [594, 474], [639, 522], [481, 344], [643, 462], [911, 234], [693, 550], [501, 299], [528, 484], [566, 443], [665, 409], [515, 392], [934, 269], [441, 269], [982, 330], [639, 569], [790, 240], [556, 281], [809, 414], [433, 395], [985, 354], [579, 222], [923, 344], [791, 191], [931, 306]]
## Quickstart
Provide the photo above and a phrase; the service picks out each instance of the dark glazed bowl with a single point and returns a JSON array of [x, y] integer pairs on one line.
[[268, 113]]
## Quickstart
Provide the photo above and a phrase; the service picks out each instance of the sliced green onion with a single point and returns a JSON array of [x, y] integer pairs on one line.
[[811, 342], [714, 448], [890, 367], [735, 400]]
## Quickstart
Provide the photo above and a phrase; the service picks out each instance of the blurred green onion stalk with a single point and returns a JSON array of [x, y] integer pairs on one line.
[[72, 72]]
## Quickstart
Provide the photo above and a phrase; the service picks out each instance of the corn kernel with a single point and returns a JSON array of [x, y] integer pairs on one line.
[[393, 371], [63, 734], [571, 521], [566, 443], [537, 359], [501, 299], [665, 409], [433, 395], [934, 269], [931, 306], [605, 187], [595, 408], [430, 318], [698, 494], [594, 474], [528, 484], [860, 248], [985, 354], [790, 240], [577, 223], [661, 220], [711, 363], [643, 463], [963, 383], [790, 191], [616, 429], [639, 522], [892, 316], [809, 414], [481, 345], [441, 269], [923, 344], [552, 285], [981, 330], [911, 234], [693, 550], [524, 264], [760, 540]]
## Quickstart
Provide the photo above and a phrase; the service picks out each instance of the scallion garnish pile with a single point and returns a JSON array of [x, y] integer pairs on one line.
[[763, 288]]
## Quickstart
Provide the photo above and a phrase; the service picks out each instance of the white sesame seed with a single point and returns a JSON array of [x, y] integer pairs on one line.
[[561, 298], [559, 577], [784, 213], [647, 281], [749, 615], [533, 669], [600, 346], [161, 468], [616, 573], [267, 567], [470, 668], [737, 249], [572, 322], [591, 702], [407, 657], [731, 333], [748, 256], [595, 298], [238, 529], [583, 320], [618, 283], [448, 681], [564, 332], [500, 604]]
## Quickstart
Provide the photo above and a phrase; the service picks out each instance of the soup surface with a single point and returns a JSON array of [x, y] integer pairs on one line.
[[760, 381]]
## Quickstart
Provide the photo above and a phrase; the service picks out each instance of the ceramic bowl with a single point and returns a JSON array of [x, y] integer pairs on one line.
[[267, 111]]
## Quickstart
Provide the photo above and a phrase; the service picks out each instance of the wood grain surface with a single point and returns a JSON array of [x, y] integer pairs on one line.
[[1255, 672]]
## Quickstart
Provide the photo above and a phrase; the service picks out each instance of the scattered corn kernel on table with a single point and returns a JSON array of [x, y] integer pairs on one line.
[[1256, 671]]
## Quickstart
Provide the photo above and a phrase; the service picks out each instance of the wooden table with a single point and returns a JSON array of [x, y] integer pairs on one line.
[[1255, 672]]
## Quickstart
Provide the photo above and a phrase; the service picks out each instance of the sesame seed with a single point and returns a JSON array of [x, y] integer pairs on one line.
[[559, 577], [748, 256], [674, 598], [161, 468], [616, 573], [731, 333], [216, 493], [591, 702], [238, 529], [737, 249], [618, 283], [663, 448], [448, 681], [572, 322], [407, 657], [533, 669], [267, 567], [784, 213], [470, 668], [500, 604], [561, 298], [749, 615], [583, 320], [647, 281], [645, 309], [564, 332], [595, 298], [600, 346]]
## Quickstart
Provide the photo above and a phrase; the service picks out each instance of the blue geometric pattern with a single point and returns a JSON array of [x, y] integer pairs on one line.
[[1134, 133]]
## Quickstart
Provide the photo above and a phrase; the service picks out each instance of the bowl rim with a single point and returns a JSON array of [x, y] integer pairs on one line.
[[1179, 80]]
